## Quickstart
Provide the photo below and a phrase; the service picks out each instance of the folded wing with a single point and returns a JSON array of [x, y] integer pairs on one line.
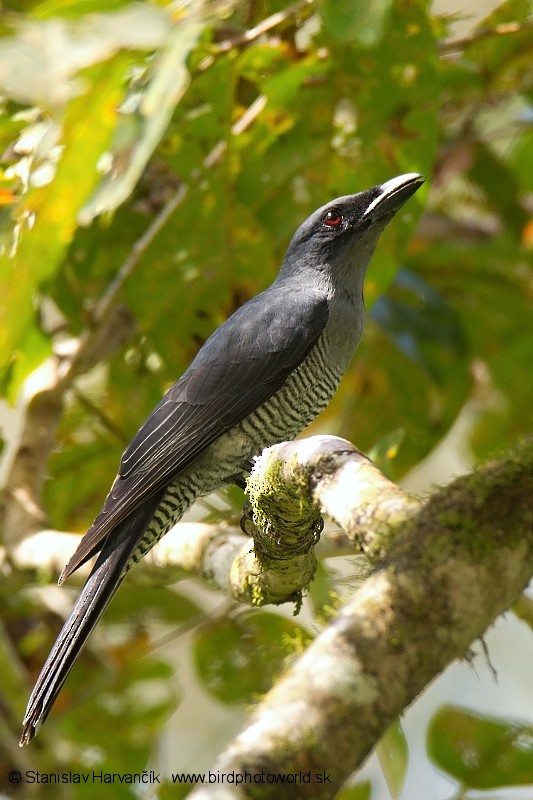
[[240, 366]]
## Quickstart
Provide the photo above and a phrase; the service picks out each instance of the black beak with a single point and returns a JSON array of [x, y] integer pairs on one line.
[[392, 195]]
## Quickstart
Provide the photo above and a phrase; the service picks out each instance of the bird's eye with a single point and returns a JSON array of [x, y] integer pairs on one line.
[[332, 218]]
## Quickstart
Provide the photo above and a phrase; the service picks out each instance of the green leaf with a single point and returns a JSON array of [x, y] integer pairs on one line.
[[501, 187], [321, 591], [133, 698], [74, 491], [34, 350], [73, 9], [139, 133], [143, 604], [238, 659], [521, 159], [501, 58], [488, 285], [359, 791], [393, 755], [386, 449], [41, 62], [354, 22], [168, 790], [481, 752], [53, 208], [421, 324], [523, 608]]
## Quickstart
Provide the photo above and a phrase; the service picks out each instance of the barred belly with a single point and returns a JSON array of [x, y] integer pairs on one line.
[[305, 393]]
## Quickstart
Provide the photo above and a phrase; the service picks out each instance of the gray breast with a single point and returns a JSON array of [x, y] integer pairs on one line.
[[305, 393], [309, 389]]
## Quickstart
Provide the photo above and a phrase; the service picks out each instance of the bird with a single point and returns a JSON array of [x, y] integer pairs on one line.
[[259, 379]]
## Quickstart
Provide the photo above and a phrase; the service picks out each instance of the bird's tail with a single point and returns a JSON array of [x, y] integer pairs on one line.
[[104, 580]]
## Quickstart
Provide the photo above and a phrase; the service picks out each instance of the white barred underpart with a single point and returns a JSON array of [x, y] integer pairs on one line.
[[305, 393]]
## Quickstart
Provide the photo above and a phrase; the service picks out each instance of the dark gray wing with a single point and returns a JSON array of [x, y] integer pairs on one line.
[[240, 366]]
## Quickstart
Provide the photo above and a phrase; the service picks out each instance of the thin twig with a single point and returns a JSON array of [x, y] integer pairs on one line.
[[505, 29], [108, 299], [251, 113], [262, 27], [70, 369], [102, 418], [137, 251], [238, 127]]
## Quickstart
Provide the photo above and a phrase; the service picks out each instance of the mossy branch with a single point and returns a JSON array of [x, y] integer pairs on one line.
[[450, 569], [468, 547]]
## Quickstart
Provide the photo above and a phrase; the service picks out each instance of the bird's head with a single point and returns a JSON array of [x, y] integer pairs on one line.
[[339, 238]]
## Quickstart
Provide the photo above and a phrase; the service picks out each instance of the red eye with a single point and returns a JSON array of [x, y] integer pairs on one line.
[[332, 219]]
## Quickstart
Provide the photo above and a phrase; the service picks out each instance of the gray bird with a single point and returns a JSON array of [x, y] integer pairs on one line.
[[259, 379]]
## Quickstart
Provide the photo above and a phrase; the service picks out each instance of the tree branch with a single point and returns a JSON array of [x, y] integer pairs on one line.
[[262, 27], [291, 485], [329, 475], [388, 642], [452, 44]]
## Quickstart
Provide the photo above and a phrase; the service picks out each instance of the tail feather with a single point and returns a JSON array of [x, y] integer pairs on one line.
[[104, 580]]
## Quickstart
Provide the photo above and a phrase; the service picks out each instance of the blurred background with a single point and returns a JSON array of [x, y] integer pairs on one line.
[[156, 159]]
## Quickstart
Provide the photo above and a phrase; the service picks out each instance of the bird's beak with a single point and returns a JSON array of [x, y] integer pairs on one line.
[[393, 194]]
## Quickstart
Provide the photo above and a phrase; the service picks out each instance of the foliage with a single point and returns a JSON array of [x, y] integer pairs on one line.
[[109, 112], [481, 752]]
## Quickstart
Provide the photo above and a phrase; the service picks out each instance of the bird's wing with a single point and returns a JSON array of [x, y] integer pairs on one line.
[[239, 367]]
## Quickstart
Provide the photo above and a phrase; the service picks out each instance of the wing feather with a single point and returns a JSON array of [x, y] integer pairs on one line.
[[239, 367]]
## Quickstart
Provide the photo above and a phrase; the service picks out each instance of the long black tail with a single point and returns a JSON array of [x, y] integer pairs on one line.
[[104, 580]]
